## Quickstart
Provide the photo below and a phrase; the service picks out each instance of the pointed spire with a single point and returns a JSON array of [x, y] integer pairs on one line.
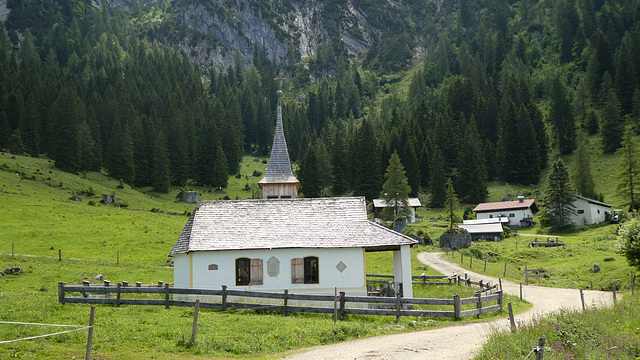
[[279, 168]]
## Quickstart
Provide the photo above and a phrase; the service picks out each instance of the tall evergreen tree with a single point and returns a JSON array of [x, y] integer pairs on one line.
[[437, 179], [119, 156], [559, 196], [612, 124], [161, 166], [472, 171], [396, 189], [561, 117], [629, 175], [451, 204], [366, 177], [583, 177]]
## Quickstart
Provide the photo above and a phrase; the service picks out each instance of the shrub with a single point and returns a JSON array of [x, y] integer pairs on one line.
[[91, 203], [257, 173]]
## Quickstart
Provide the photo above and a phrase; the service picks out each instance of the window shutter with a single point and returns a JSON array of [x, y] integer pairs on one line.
[[297, 271], [256, 271]]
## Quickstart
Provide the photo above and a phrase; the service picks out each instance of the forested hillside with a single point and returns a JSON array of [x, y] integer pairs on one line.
[[503, 88]]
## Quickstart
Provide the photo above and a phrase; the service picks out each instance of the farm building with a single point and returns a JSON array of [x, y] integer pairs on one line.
[[519, 212], [485, 229], [310, 246], [380, 204], [589, 211]]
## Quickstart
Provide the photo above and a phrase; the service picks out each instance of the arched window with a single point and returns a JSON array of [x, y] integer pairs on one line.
[[243, 271], [311, 272]]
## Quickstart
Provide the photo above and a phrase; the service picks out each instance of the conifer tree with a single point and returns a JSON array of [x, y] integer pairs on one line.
[[161, 177], [365, 163], [583, 177], [629, 175], [559, 196], [396, 189], [119, 156], [437, 179], [309, 174], [561, 117], [472, 171], [612, 125], [451, 204]]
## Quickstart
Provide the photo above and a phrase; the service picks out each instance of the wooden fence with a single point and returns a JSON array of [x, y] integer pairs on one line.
[[391, 306]]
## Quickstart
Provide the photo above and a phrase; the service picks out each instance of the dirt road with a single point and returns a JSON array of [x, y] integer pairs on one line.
[[454, 342]]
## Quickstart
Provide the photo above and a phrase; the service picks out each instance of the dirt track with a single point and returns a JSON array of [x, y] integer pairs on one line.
[[454, 342]]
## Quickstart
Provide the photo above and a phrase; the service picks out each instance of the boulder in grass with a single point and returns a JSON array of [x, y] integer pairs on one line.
[[14, 271], [595, 268], [75, 198]]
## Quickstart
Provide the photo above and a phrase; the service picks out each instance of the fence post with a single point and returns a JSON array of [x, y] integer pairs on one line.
[[512, 321], [61, 293], [540, 348], [521, 291], [335, 305], [118, 258], [582, 300], [633, 283], [118, 295], [398, 297], [59, 255], [526, 274], [479, 305], [285, 298], [342, 304], [461, 258], [480, 284], [456, 307], [500, 282], [11, 249], [615, 301], [485, 266], [90, 335], [167, 295], [424, 279], [471, 262], [505, 270], [224, 298], [501, 300], [195, 322]]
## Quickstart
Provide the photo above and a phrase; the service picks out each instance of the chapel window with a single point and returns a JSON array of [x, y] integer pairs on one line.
[[243, 271], [311, 272]]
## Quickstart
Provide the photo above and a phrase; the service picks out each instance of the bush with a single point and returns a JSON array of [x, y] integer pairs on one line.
[[91, 203], [257, 173]]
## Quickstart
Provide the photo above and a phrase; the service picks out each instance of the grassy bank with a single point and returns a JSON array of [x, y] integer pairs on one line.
[[609, 333]]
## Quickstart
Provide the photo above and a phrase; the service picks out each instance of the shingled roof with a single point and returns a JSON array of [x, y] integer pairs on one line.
[[279, 224], [279, 168], [507, 205]]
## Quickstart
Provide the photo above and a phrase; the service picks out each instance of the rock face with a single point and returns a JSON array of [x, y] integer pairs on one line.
[[4, 10], [190, 197], [455, 241]]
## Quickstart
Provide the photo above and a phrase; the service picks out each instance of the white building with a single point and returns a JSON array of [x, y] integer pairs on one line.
[[380, 204], [589, 211], [307, 246], [520, 212]]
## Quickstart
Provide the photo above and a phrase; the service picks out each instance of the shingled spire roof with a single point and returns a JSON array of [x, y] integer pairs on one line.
[[279, 168]]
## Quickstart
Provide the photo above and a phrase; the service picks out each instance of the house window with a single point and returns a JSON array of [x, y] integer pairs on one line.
[[243, 271], [598, 211], [285, 197], [248, 271], [490, 216], [512, 215], [311, 273], [272, 196], [580, 211]]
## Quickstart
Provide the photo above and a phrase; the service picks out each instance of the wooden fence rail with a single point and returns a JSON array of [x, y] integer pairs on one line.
[[391, 306]]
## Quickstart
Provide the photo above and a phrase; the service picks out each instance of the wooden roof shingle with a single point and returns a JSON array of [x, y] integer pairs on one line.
[[286, 223]]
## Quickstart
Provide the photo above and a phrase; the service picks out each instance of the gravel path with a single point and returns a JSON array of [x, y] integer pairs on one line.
[[459, 341]]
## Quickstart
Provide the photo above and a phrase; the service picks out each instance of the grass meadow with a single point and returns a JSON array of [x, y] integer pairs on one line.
[[131, 243]]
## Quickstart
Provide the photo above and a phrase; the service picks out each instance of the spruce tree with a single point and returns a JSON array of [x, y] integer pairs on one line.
[[396, 189], [612, 124], [561, 117], [629, 175], [119, 156], [451, 204], [437, 179], [472, 171], [309, 174], [559, 195], [583, 177], [365, 164], [161, 177]]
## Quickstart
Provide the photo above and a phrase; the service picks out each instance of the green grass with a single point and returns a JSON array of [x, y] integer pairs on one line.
[[39, 220], [567, 267], [608, 333]]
